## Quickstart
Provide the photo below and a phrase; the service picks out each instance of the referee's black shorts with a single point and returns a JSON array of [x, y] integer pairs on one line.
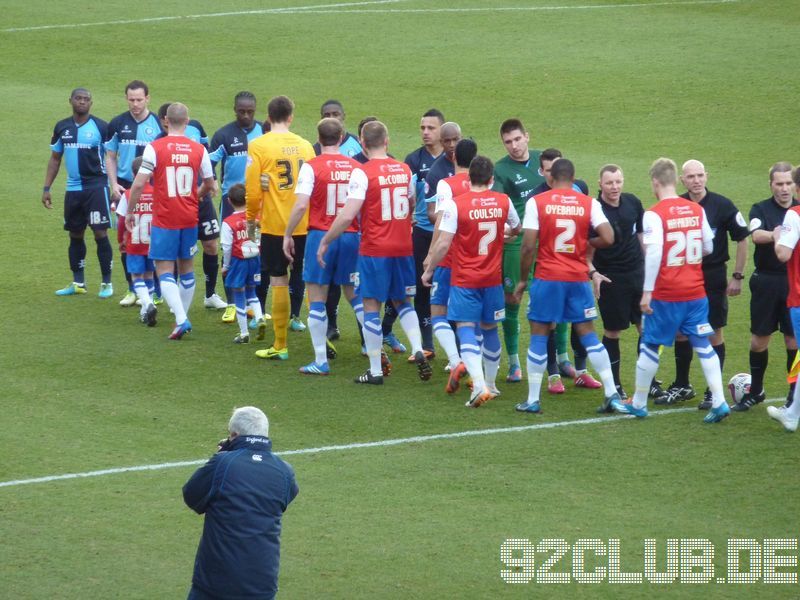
[[619, 300], [273, 261], [768, 310], [716, 282]]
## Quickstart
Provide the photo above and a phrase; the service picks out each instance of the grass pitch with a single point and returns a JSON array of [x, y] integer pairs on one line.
[[85, 387]]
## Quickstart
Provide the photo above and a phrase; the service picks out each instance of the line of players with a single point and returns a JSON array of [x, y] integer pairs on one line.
[[81, 101]]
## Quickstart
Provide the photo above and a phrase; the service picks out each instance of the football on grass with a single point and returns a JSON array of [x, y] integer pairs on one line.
[[739, 385]]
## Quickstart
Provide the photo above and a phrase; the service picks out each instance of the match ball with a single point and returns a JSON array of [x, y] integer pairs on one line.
[[738, 386]]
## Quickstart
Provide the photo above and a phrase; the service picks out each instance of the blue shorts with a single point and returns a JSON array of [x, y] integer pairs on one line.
[[341, 259], [794, 315], [139, 263], [386, 277], [243, 272], [440, 290], [561, 301], [668, 318], [476, 305], [172, 244]]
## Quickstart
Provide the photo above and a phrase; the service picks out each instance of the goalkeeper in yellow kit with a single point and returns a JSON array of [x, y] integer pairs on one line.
[[273, 164]]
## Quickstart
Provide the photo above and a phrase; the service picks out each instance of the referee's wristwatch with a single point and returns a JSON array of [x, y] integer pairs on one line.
[[737, 275]]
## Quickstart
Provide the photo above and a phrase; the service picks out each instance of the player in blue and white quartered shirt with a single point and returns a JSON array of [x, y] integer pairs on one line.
[[79, 140], [128, 134]]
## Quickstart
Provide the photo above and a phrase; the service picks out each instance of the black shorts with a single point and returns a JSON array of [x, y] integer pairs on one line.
[[274, 262], [619, 301], [421, 240], [87, 208], [208, 224], [768, 310], [716, 283]]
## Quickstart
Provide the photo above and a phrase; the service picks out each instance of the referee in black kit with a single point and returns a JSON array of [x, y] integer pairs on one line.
[[623, 264], [769, 284], [725, 221]]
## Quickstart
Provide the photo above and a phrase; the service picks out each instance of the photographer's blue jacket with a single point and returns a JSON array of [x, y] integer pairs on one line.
[[243, 492]]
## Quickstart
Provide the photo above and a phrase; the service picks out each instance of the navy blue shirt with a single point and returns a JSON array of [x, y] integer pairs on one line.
[[83, 150], [420, 162], [128, 138], [243, 492], [229, 148], [442, 168]]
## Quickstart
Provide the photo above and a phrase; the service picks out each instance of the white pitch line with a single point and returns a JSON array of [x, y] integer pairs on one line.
[[478, 9], [331, 9], [261, 11], [357, 446]]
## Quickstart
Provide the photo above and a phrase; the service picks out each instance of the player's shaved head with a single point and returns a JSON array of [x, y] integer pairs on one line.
[[280, 109], [610, 168], [177, 114], [80, 91], [664, 171], [466, 150], [374, 135], [81, 101], [332, 108], [693, 165], [330, 131], [481, 170], [450, 129], [562, 171]]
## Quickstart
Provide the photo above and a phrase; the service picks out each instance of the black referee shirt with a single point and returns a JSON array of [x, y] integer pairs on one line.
[[625, 255], [767, 215], [725, 220]]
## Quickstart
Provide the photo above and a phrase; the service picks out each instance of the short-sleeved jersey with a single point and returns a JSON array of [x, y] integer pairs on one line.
[[234, 233], [624, 256], [325, 179], [278, 157], [477, 220], [385, 186], [176, 163], [349, 147], [790, 235], [128, 138], [517, 180], [83, 151], [420, 162], [767, 215], [137, 242], [229, 149], [725, 220], [446, 190], [680, 227], [564, 219]]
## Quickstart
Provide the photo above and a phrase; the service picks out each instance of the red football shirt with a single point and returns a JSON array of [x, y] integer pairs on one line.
[[326, 179], [176, 163], [447, 189], [477, 219], [679, 226], [564, 219], [137, 242], [385, 186], [237, 222]]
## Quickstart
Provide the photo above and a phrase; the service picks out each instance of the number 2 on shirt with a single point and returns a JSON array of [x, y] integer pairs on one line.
[[564, 242]]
